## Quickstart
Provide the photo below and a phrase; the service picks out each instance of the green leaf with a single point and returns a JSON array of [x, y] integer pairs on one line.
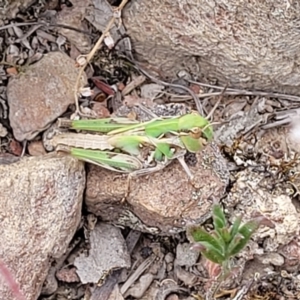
[[220, 239], [248, 228], [218, 217], [200, 235], [235, 227], [236, 245], [242, 238], [220, 223], [224, 232], [213, 256]]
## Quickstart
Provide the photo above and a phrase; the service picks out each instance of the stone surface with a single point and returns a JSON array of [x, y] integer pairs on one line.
[[185, 256], [73, 17], [246, 44], [36, 148], [108, 252], [163, 202], [40, 209], [274, 259], [41, 94], [253, 197], [267, 187]]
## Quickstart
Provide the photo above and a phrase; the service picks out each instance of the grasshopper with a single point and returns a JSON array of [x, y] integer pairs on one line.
[[190, 127], [136, 148]]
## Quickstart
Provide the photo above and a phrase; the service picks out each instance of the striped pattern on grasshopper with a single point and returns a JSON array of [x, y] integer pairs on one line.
[[138, 148]]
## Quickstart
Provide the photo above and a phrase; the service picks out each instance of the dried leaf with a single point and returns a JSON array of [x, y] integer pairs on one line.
[[104, 87]]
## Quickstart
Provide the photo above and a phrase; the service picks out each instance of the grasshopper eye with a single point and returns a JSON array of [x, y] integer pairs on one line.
[[196, 133], [196, 130]]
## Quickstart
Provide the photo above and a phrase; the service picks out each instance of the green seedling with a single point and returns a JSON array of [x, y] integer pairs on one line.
[[224, 242]]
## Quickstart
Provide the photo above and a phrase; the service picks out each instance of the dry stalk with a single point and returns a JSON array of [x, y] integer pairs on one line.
[[116, 15]]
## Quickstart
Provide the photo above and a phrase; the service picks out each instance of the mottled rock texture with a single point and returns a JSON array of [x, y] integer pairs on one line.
[[40, 210], [40, 94], [163, 202], [248, 44]]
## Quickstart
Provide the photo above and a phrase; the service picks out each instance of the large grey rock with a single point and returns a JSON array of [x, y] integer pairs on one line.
[[40, 209], [163, 202], [247, 44]]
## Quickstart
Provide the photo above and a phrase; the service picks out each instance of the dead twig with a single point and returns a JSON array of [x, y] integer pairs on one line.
[[28, 33], [93, 51], [217, 103], [45, 24], [141, 268], [238, 92], [20, 24], [243, 291]]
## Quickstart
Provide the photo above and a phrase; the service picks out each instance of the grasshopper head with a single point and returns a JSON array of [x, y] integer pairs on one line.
[[190, 121], [196, 125]]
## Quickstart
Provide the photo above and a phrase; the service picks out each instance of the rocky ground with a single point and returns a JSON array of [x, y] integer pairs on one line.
[[67, 232]]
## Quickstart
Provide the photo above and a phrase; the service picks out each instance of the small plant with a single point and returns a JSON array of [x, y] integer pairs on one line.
[[222, 243]]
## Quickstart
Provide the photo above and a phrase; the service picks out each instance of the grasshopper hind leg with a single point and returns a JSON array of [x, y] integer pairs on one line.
[[188, 172], [127, 191]]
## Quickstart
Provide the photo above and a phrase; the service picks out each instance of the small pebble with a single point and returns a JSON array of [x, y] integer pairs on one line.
[[3, 131], [36, 148]]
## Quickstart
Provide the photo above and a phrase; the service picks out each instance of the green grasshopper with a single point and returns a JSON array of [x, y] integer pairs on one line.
[[164, 139], [189, 127]]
